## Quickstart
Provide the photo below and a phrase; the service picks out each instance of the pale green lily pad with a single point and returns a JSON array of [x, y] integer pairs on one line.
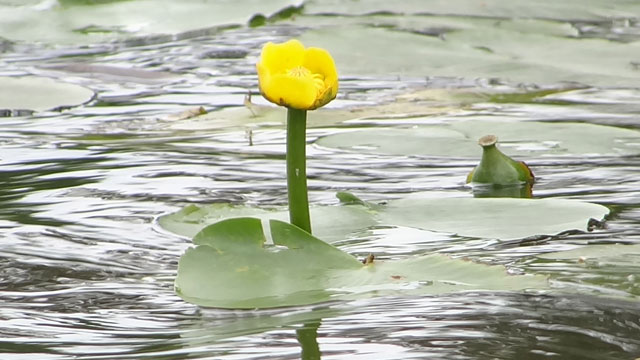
[[517, 139], [330, 223], [596, 10], [73, 23], [496, 218], [35, 93], [493, 218], [231, 267], [514, 50]]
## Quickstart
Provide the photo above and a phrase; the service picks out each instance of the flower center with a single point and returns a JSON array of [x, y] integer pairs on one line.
[[299, 71], [303, 72]]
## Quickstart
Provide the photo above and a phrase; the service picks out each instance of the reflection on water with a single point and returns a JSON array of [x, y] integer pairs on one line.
[[513, 191], [86, 274]]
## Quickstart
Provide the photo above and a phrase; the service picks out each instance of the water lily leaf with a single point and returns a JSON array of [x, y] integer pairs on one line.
[[331, 223], [33, 93], [494, 218], [517, 138], [515, 50], [95, 21], [549, 9], [231, 267]]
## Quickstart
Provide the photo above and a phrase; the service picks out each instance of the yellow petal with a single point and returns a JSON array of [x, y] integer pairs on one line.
[[278, 58], [290, 75], [320, 62], [290, 91]]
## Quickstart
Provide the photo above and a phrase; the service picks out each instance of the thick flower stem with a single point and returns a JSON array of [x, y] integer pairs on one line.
[[296, 169]]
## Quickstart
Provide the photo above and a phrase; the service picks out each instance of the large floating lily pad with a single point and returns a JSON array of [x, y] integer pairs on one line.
[[546, 9], [517, 138], [34, 93], [92, 21], [515, 50], [231, 267], [497, 218]]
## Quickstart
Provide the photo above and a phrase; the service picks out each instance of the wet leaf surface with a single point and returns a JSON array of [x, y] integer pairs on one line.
[[230, 267]]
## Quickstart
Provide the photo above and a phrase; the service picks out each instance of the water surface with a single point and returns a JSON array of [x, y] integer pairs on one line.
[[86, 273]]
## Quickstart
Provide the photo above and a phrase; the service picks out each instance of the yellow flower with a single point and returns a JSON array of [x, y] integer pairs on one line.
[[292, 76]]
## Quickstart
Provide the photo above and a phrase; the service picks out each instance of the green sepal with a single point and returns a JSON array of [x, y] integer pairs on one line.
[[497, 168]]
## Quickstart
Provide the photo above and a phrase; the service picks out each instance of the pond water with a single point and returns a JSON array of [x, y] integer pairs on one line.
[[87, 273]]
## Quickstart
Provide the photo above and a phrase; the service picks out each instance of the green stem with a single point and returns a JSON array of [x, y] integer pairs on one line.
[[308, 339], [296, 169]]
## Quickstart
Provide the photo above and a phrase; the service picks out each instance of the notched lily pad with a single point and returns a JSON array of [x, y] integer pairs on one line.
[[331, 223], [33, 93], [231, 267]]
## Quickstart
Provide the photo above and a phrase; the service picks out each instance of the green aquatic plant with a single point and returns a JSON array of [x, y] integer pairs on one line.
[[234, 266], [300, 79], [497, 168]]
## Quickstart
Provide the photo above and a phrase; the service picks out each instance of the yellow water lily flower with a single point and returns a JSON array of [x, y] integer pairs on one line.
[[297, 77]]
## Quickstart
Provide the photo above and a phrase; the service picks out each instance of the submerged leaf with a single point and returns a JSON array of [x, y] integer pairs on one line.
[[231, 267]]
